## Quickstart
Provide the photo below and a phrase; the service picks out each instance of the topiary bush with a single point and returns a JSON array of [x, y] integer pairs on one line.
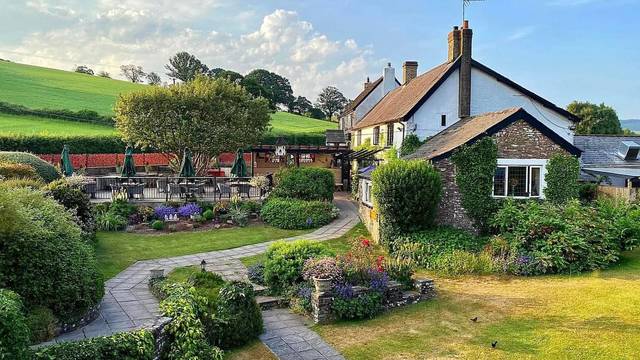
[[14, 333], [563, 173], [45, 170], [297, 214], [43, 256], [305, 183], [285, 260], [406, 195], [135, 345], [71, 195]]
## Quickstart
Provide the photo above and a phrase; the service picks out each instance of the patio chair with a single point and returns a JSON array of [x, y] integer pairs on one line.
[[175, 189], [224, 190], [244, 189], [91, 189], [162, 184], [136, 190]]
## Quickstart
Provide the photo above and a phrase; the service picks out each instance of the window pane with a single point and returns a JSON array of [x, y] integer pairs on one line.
[[534, 180], [517, 182], [499, 181]]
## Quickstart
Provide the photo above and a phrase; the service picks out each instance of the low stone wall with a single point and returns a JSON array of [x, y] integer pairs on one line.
[[87, 318]]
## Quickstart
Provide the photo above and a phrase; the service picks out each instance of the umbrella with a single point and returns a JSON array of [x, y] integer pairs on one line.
[[239, 167], [65, 162], [129, 167], [186, 168]]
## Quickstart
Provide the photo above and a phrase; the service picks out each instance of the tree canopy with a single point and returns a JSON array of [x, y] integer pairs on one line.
[[153, 78], [133, 73], [331, 101], [184, 66], [596, 119], [208, 116], [301, 105], [83, 69], [277, 87]]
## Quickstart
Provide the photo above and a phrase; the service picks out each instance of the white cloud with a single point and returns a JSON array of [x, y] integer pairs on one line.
[[521, 33], [61, 11], [147, 34]]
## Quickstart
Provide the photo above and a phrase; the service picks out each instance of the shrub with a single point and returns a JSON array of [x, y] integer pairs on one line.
[[305, 183], [157, 225], [45, 170], [74, 199], [108, 221], [322, 268], [14, 333], [239, 215], [42, 324], [297, 214], [52, 144], [238, 316], [348, 306], [208, 215], [406, 194], [284, 262], [256, 273], [401, 270], [410, 144], [43, 257], [563, 173], [135, 345], [10, 170], [188, 210], [21, 183]]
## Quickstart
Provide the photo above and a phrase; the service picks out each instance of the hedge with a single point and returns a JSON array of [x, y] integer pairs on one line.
[[9, 170], [305, 183], [52, 144], [14, 333], [136, 345], [297, 214], [45, 170], [88, 116]]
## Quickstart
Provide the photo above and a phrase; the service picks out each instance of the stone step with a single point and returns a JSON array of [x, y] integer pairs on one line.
[[271, 302], [259, 289], [411, 296]]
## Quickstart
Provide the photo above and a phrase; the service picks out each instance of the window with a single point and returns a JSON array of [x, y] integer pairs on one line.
[[443, 120], [376, 135], [390, 135], [359, 138], [366, 192], [517, 181]]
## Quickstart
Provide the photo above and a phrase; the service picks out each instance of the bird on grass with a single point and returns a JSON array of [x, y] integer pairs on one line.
[[494, 344], [475, 319]]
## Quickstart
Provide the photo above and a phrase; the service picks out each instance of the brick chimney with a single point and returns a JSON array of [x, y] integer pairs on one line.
[[454, 44], [367, 83], [409, 71], [464, 97]]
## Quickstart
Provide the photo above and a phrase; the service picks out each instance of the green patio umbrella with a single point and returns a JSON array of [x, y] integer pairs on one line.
[[129, 167], [239, 167], [186, 168], [65, 162]]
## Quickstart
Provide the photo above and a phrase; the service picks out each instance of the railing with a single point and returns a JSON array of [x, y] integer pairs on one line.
[[169, 188]]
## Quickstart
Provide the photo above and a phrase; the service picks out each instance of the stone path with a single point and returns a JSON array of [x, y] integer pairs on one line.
[[288, 337], [128, 304]]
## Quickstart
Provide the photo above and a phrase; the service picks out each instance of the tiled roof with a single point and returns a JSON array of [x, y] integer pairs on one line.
[[335, 136], [460, 133], [399, 102], [360, 98], [602, 150]]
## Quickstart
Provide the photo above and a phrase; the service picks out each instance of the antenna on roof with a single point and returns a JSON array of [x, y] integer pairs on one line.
[[466, 3]]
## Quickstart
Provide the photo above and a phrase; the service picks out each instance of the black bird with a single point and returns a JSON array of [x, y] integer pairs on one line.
[[494, 344], [474, 319]]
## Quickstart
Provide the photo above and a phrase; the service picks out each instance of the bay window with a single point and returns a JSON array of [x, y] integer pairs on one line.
[[517, 181]]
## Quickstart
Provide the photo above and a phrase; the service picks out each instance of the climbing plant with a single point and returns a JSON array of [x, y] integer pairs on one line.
[[475, 168], [563, 173]]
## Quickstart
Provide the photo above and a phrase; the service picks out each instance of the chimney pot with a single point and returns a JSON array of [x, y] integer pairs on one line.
[[409, 71], [466, 24]]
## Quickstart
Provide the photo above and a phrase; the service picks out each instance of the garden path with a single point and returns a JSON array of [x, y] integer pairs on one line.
[[128, 304]]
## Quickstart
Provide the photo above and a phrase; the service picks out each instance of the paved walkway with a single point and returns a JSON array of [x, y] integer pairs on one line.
[[288, 337], [128, 304]]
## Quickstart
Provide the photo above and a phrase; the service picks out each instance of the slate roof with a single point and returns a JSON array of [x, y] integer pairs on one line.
[[335, 137], [602, 150], [360, 98]]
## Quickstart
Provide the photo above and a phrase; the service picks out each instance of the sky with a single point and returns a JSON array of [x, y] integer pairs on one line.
[[564, 50]]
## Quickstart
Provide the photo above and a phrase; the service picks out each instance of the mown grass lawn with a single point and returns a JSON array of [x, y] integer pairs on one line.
[[118, 250], [32, 125], [588, 316], [287, 123]]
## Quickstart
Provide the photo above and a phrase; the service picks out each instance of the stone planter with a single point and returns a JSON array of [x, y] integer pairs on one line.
[[157, 273], [322, 285]]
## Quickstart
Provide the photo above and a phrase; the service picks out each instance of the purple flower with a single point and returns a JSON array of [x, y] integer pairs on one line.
[[161, 211], [523, 260], [305, 293], [344, 291], [379, 280], [188, 210]]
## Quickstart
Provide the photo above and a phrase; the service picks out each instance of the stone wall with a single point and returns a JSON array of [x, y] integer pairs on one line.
[[369, 217]]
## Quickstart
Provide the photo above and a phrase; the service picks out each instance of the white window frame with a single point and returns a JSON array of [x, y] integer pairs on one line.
[[528, 164], [366, 192]]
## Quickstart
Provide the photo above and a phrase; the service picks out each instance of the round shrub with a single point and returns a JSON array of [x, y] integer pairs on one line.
[[239, 314], [14, 333], [10, 170], [305, 183], [45, 170], [406, 195], [157, 225], [43, 257], [297, 214], [208, 215], [256, 273], [285, 260], [73, 198]]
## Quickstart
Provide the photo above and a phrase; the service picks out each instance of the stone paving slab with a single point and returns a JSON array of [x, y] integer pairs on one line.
[[128, 304]]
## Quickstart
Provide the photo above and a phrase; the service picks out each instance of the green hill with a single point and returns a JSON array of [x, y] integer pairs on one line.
[[38, 88]]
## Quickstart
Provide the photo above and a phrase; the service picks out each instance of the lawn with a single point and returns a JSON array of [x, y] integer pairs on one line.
[[30, 125], [118, 250], [588, 316], [287, 123]]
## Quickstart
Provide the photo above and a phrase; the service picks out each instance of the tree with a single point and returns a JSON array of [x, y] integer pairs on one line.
[[208, 116], [104, 74], [184, 66], [277, 87], [133, 73], [153, 78], [300, 105], [230, 75], [331, 101], [596, 119], [315, 113], [83, 69]]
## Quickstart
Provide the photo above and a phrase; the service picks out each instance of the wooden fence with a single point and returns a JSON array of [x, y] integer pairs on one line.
[[626, 193]]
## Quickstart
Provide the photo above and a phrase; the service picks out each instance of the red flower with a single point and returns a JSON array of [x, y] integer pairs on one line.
[[379, 262], [366, 242]]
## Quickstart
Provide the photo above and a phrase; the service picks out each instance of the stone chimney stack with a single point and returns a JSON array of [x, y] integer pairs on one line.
[[454, 44], [367, 83], [388, 79], [464, 98], [409, 71]]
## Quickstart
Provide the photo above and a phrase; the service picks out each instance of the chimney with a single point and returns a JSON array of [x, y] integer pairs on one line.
[[454, 44], [367, 83], [464, 97], [409, 71], [388, 79]]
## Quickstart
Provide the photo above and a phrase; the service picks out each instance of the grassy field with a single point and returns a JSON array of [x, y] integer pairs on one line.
[[286, 123], [29, 125], [118, 250]]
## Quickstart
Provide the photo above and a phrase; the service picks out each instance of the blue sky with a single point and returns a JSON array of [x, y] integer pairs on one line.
[[561, 49]]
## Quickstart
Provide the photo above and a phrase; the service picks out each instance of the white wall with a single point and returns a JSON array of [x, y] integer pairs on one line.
[[487, 95], [368, 103]]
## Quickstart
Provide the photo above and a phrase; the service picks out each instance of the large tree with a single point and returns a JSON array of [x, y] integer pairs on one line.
[[153, 78], [83, 69], [301, 105], [277, 87], [596, 119], [133, 73], [184, 66], [331, 101], [208, 116]]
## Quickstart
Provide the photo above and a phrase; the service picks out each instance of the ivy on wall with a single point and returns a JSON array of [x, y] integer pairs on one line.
[[475, 168], [563, 173]]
